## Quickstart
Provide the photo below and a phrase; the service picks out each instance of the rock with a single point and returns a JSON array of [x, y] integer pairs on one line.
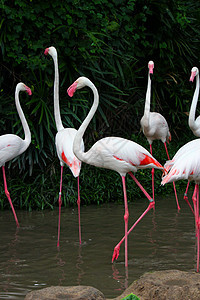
[[166, 285], [66, 293]]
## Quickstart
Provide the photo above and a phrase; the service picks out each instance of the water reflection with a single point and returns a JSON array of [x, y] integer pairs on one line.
[[29, 258]]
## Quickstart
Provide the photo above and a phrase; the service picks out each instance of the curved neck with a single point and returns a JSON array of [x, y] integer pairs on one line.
[[78, 138], [57, 116], [193, 107], [22, 118], [147, 103]]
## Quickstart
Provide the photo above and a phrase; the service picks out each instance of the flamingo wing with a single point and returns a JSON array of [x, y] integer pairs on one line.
[[10, 146], [121, 155], [64, 146], [185, 166]]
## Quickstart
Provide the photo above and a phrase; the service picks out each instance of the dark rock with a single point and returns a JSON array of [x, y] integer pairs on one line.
[[66, 293], [166, 285]]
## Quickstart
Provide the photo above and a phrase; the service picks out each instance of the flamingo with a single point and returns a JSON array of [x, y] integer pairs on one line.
[[155, 126], [12, 145], [193, 124], [114, 153], [64, 142], [186, 165]]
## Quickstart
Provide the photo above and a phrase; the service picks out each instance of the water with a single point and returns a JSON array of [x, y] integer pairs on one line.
[[29, 259]]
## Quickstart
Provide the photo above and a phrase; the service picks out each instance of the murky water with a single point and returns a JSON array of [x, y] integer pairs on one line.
[[29, 258]]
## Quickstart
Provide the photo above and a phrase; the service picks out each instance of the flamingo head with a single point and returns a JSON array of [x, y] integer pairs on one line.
[[150, 66], [51, 51], [194, 72], [78, 84], [22, 87], [28, 90]]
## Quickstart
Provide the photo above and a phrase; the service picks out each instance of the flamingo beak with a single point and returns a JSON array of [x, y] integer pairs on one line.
[[46, 51], [72, 89], [28, 90], [193, 74]]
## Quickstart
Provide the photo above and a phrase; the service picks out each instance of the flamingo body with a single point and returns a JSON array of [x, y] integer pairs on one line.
[[157, 128], [194, 124], [120, 155], [114, 153], [12, 145], [186, 165], [154, 126], [185, 149], [64, 145], [64, 142]]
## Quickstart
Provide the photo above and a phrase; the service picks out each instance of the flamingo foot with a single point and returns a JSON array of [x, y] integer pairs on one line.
[[116, 253]]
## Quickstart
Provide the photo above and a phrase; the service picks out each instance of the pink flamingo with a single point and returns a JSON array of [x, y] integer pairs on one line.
[[186, 165], [64, 143], [115, 153], [12, 145], [193, 124], [155, 126]]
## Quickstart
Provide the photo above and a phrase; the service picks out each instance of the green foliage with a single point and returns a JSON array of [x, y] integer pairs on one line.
[[131, 297], [111, 43]]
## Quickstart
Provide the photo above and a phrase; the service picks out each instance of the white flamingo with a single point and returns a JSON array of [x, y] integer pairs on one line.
[[155, 126], [118, 154], [64, 143], [186, 165], [193, 124], [12, 145]]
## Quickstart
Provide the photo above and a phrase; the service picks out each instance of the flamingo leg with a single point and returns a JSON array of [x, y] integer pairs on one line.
[[141, 187], [8, 196], [79, 212], [178, 207], [126, 216], [186, 197], [59, 203], [186, 191], [152, 174], [198, 226], [151, 205], [117, 247], [194, 199]]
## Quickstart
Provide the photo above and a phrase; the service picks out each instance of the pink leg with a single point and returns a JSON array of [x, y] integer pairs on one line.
[[79, 211], [186, 191], [117, 247], [151, 205], [194, 199], [126, 215], [186, 197], [178, 207], [59, 203], [141, 187], [8, 196], [152, 174], [198, 225]]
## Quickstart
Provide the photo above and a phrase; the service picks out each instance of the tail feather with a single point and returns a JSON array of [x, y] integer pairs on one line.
[[169, 176]]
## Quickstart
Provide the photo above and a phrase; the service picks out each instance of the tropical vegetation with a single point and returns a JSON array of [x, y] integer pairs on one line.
[[109, 42]]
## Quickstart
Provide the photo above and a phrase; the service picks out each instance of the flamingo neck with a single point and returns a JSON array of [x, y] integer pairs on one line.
[[57, 116], [191, 120], [22, 118], [147, 103], [80, 154]]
